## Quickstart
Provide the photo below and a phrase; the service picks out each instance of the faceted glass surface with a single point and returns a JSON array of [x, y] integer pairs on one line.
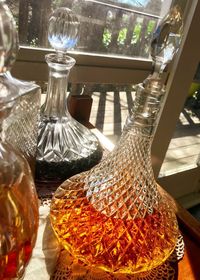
[[21, 127], [63, 29], [167, 38], [113, 216], [65, 147]]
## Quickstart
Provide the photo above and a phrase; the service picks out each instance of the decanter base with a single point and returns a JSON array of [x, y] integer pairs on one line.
[[111, 244], [56, 172]]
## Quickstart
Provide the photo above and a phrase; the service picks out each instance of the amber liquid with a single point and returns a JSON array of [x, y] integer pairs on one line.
[[9, 263], [112, 244], [18, 227]]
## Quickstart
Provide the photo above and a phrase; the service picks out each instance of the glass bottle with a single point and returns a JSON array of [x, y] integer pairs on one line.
[[113, 216], [18, 198], [65, 147]]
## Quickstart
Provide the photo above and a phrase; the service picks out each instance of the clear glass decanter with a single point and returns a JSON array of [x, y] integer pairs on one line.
[[18, 198], [113, 216], [65, 147]]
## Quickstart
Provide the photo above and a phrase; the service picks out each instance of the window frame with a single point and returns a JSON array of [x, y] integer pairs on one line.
[[186, 182], [89, 67]]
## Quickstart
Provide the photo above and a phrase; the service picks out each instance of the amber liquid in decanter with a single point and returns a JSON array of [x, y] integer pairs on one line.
[[122, 245], [16, 202]]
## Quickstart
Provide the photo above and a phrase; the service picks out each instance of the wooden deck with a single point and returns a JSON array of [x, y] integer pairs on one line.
[[109, 112]]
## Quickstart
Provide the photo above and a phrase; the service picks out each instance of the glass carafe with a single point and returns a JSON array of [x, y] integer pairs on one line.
[[18, 198], [65, 147], [113, 217]]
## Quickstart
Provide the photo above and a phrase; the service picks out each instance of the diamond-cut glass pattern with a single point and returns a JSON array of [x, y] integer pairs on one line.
[[65, 147], [113, 216], [21, 127]]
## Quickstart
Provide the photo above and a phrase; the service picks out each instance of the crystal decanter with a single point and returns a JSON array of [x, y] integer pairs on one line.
[[18, 198], [65, 147], [113, 216]]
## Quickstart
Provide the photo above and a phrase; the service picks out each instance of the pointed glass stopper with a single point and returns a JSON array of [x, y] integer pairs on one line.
[[164, 45], [8, 50], [166, 39]]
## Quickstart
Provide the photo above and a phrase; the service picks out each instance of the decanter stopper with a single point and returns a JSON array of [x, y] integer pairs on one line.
[[65, 147], [8, 38], [164, 45], [8, 49], [63, 30], [166, 39]]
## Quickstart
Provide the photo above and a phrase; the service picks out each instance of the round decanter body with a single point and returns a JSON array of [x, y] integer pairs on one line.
[[18, 213], [113, 217]]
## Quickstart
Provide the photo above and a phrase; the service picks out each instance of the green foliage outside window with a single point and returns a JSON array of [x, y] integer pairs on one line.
[[122, 36], [136, 33], [107, 36]]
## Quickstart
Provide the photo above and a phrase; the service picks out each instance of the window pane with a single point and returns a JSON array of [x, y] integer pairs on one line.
[[184, 148], [122, 27]]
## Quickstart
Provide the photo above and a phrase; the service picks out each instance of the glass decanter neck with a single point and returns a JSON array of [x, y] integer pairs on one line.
[[59, 61], [148, 101], [55, 105]]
